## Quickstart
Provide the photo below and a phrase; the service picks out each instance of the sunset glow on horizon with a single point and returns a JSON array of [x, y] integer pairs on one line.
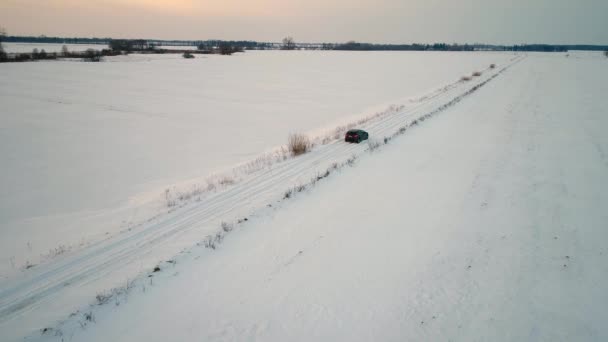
[[383, 21]]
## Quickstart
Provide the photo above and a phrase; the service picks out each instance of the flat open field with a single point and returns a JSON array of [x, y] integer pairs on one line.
[[90, 148], [476, 211]]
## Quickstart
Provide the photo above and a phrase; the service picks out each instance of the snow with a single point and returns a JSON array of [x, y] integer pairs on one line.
[[485, 221], [92, 147], [178, 47]]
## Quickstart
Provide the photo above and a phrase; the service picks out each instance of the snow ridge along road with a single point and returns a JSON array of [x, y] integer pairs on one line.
[[52, 291]]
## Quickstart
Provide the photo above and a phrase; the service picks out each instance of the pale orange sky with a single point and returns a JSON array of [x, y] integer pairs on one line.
[[384, 21]]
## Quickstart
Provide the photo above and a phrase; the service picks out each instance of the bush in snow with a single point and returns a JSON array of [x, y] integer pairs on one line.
[[92, 56], [465, 78], [188, 55], [492, 66], [298, 144], [476, 74], [606, 53], [373, 144]]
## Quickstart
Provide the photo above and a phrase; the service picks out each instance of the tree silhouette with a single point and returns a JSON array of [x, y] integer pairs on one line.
[[288, 44], [3, 55]]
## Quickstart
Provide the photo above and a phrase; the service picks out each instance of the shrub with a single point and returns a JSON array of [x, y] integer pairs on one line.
[[374, 144], [228, 49], [606, 53], [226, 180], [92, 56], [476, 74], [298, 144], [188, 55], [465, 78], [103, 297], [227, 227], [492, 66], [22, 57]]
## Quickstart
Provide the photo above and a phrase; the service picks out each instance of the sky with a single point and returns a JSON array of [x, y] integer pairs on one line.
[[377, 21]]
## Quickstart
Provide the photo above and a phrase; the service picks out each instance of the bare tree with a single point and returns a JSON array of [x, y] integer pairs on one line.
[[64, 51], [288, 44], [2, 36]]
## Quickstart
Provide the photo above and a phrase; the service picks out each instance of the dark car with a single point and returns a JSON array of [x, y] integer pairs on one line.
[[356, 136]]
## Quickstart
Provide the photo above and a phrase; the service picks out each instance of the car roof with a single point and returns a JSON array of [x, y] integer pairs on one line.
[[355, 131]]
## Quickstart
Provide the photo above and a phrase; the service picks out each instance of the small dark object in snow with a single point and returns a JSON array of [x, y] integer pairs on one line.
[[157, 269], [468, 267], [245, 219], [567, 257], [565, 265]]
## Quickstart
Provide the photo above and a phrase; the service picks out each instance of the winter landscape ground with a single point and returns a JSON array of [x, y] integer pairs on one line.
[[98, 145], [475, 213]]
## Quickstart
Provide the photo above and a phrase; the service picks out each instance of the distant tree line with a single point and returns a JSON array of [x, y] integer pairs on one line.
[[224, 47], [3, 55], [355, 46], [241, 44], [130, 45], [541, 48], [288, 43]]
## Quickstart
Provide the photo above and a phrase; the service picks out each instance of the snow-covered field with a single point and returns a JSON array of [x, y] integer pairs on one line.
[[483, 218], [29, 47], [486, 223], [90, 148], [178, 47]]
